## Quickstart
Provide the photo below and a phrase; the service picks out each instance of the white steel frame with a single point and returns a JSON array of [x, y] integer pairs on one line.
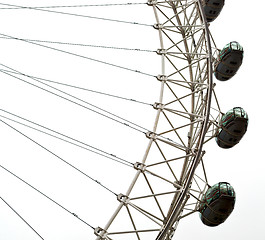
[[184, 107]]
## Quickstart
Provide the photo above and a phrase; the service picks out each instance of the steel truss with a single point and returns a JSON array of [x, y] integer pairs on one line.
[[166, 187]]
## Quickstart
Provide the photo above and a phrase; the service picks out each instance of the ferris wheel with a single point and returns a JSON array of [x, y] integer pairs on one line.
[[169, 182]]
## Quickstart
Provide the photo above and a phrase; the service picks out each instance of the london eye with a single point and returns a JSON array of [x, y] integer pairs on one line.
[[110, 125]]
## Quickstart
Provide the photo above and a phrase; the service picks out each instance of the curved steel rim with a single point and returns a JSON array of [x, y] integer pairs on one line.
[[173, 217]]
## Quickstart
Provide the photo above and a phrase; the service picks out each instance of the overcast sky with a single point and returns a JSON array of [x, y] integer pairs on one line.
[[242, 166]]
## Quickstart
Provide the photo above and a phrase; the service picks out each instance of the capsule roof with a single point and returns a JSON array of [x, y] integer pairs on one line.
[[232, 46], [232, 114], [218, 189]]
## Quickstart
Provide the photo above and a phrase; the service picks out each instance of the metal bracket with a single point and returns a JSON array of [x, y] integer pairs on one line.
[[158, 26], [158, 106], [161, 51], [123, 199], [177, 185], [162, 78], [151, 2], [151, 135], [139, 166], [100, 232]]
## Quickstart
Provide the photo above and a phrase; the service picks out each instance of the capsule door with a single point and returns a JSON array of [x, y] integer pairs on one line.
[[229, 65], [232, 133]]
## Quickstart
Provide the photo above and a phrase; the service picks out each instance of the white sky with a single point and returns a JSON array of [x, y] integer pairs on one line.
[[242, 166]]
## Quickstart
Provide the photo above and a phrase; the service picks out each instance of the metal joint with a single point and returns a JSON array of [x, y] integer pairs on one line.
[[194, 151], [151, 135], [162, 78], [161, 51], [100, 232], [151, 2], [158, 106], [177, 185], [139, 166], [123, 199], [158, 26]]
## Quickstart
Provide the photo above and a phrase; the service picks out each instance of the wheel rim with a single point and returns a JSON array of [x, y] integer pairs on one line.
[[188, 23]]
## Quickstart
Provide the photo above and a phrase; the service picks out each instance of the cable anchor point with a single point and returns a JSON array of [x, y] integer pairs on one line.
[[123, 199], [161, 78], [139, 166], [100, 232], [158, 106], [151, 135], [158, 26], [151, 2], [161, 51]]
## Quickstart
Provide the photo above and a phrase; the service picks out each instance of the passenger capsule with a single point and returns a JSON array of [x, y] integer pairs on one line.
[[217, 204], [233, 126], [229, 60], [212, 8]]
